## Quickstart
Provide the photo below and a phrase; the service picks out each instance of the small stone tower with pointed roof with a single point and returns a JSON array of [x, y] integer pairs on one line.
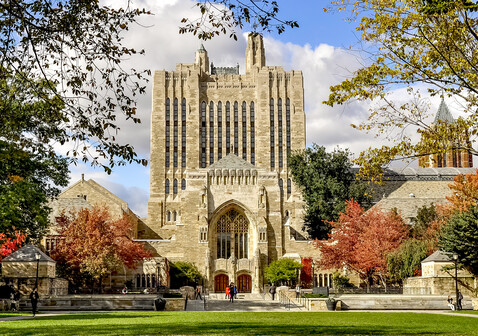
[[456, 158]]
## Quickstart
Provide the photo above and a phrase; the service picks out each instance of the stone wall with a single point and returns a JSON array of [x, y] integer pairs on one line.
[[100, 302], [437, 285]]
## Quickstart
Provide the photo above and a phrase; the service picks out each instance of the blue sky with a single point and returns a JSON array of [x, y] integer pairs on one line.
[[319, 48]]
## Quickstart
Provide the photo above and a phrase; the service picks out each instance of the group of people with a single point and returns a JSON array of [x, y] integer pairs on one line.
[[458, 302], [231, 292]]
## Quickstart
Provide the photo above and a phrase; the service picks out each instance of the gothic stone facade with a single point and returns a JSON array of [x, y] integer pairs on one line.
[[221, 193]]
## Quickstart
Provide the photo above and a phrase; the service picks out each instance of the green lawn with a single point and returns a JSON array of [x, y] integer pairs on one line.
[[249, 323]]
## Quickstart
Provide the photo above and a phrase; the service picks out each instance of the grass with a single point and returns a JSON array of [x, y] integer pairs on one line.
[[10, 314], [243, 323]]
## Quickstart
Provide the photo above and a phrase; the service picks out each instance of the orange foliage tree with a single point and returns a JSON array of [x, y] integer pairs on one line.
[[94, 243], [465, 192], [360, 240], [10, 245]]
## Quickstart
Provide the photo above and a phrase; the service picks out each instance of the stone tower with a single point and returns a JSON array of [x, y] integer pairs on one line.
[[456, 157], [222, 195]]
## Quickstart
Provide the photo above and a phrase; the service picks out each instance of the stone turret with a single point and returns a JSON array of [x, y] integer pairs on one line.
[[202, 59], [255, 53]]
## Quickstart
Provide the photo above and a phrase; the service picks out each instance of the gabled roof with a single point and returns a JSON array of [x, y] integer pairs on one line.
[[437, 256], [232, 161], [27, 253], [443, 114]]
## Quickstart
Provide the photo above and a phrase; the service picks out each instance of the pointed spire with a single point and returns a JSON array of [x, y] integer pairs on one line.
[[201, 48], [443, 114]]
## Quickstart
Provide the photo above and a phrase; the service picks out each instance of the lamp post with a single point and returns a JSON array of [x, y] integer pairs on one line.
[[37, 258], [455, 257]]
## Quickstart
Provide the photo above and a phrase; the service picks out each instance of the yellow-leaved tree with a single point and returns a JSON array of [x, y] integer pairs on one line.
[[409, 44]]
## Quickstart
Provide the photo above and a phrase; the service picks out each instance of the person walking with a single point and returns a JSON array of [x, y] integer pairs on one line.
[[227, 292], [235, 292], [458, 302], [450, 303], [34, 297], [231, 292], [297, 291], [273, 290]]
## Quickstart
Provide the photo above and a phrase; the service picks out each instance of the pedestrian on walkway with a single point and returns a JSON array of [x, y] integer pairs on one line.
[[34, 297], [231, 292], [272, 290], [235, 292], [227, 292], [297, 291], [450, 303], [458, 302]]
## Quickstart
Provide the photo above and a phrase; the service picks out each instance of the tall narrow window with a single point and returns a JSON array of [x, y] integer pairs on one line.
[[183, 133], [236, 128], [281, 187], [203, 135], [253, 140], [175, 187], [211, 133], [166, 187], [244, 131], [168, 130], [287, 128], [272, 142], [289, 187], [279, 126], [219, 131], [183, 184], [175, 133], [228, 128]]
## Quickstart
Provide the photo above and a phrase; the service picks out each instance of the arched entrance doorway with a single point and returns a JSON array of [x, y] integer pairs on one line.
[[244, 283], [221, 281]]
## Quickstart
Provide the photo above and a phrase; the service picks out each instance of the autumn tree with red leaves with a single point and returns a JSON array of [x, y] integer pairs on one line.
[[95, 243], [10, 245], [360, 240]]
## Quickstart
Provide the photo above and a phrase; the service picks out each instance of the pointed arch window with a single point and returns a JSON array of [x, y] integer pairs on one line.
[[175, 186], [183, 184], [232, 231], [289, 187], [253, 140], [183, 133], [272, 141], [236, 128], [166, 187], [175, 133], [203, 134], [244, 131], [211, 133], [167, 132], [219, 130], [287, 128], [279, 129], [228, 128]]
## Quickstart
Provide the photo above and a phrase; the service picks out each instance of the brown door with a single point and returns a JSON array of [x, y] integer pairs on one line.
[[221, 281], [244, 283]]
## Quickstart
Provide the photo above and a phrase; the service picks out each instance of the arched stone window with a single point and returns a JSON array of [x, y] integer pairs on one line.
[[138, 281], [236, 128], [219, 130], [287, 127], [289, 187], [166, 187], [175, 216], [175, 187], [272, 130], [169, 216], [168, 132], [183, 133], [203, 134], [211, 133], [228, 128], [279, 129], [183, 184], [244, 131], [232, 231], [253, 141], [175, 133], [143, 280]]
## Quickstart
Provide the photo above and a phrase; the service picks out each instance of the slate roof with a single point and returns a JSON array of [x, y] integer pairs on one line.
[[443, 114], [425, 174], [232, 161], [438, 256], [27, 253]]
